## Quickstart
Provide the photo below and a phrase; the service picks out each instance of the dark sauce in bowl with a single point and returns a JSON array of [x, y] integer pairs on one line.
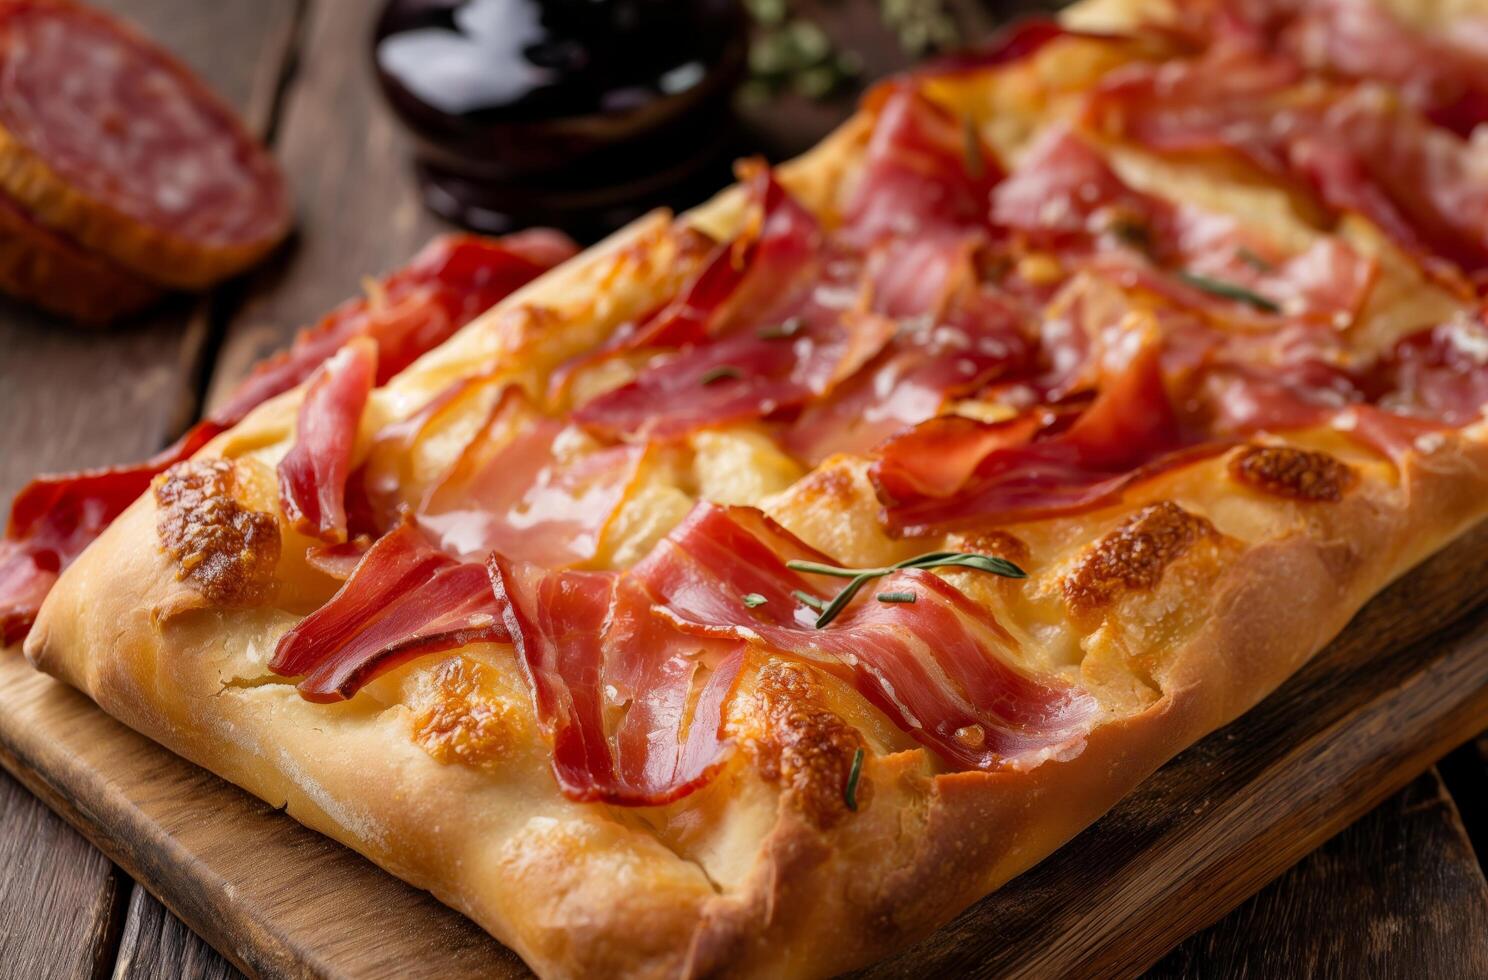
[[581, 113]]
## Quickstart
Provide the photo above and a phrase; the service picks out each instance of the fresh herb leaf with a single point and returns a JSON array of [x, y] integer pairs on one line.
[[1253, 260], [807, 599], [862, 576], [896, 597], [1228, 290], [850, 794], [786, 328], [722, 372], [752, 599]]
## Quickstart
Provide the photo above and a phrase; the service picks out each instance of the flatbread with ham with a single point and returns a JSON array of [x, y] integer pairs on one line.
[[763, 586]]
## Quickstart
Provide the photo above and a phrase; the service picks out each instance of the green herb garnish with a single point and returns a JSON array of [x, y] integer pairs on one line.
[[722, 372], [850, 794], [807, 599], [896, 597], [752, 599], [1228, 290], [1253, 260], [862, 576], [788, 327]]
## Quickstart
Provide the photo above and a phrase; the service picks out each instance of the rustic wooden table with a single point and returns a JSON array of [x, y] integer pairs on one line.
[[1384, 898]]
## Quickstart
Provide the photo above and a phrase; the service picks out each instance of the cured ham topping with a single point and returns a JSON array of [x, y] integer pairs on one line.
[[1441, 75], [515, 490], [1300, 474], [933, 665], [591, 647], [924, 172], [1359, 150], [955, 472], [799, 339], [312, 475], [453, 280], [1063, 197], [226, 551], [404, 600], [1134, 557]]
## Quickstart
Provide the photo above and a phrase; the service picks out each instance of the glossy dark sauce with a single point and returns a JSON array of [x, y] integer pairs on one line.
[[576, 112]]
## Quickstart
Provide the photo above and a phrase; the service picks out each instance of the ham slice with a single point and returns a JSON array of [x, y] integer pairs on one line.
[[936, 667], [405, 599], [513, 489], [312, 475], [590, 646], [1357, 149], [954, 472]]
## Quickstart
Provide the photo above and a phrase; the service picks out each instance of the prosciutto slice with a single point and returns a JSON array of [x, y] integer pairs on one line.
[[1443, 76], [803, 335], [591, 646], [405, 599], [1357, 149], [454, 279], [1063, 197], [312, 475], [515, 490], [955, 472], [933, 666]]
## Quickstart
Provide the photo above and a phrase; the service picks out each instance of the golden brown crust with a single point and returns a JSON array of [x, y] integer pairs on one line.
[[227, 552], [1133, 557], [1301, 474]]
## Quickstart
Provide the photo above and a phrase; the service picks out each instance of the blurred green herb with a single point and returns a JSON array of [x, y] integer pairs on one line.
[[921, 25], [793, 53]]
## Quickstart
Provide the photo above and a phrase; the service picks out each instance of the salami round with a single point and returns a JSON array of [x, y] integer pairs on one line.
[[42, 267], [114, 143]]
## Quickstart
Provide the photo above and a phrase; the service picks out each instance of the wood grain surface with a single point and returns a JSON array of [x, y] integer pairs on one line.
[[156, 944], [1364, 904], [71, 895]]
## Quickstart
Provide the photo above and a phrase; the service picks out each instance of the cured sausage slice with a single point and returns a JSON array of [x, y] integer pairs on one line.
[[111, 141]]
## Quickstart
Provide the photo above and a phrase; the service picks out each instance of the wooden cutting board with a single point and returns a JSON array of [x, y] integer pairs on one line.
[[1405, 682]]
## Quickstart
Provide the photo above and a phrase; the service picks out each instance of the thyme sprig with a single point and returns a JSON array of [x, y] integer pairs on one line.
[[862, 576], [1229, 290], [850, 794]]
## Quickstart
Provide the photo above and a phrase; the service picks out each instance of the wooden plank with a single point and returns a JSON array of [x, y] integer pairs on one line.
[[157, 944], [61, 901], [1362, 720], [1397, 894]]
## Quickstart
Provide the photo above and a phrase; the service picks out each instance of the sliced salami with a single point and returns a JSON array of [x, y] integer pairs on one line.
[[111, 141]]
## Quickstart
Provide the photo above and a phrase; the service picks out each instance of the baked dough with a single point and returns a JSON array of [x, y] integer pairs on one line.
[[439, 771]]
